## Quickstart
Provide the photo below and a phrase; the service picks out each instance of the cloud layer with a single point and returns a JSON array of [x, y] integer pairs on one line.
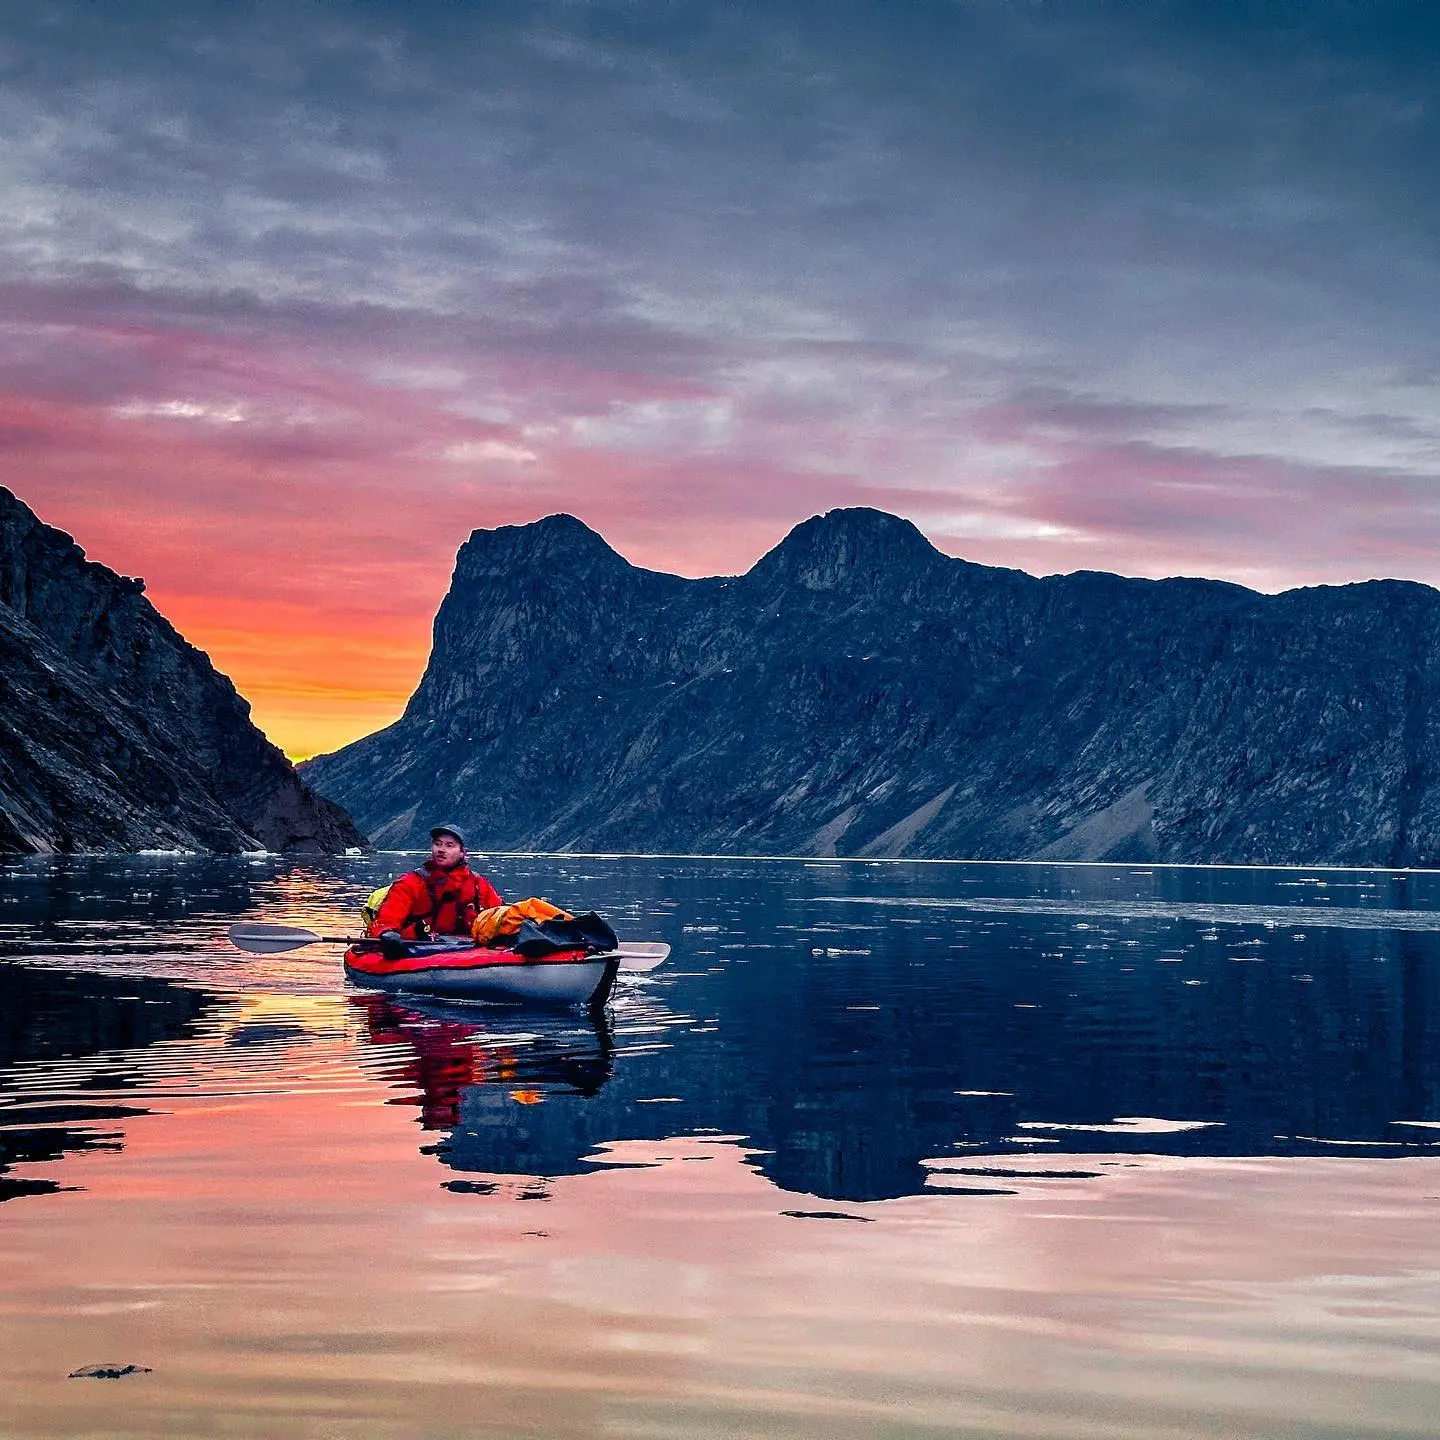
[[292, 298]]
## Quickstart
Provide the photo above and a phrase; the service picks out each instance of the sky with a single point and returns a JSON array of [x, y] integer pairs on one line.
[[294, 296]]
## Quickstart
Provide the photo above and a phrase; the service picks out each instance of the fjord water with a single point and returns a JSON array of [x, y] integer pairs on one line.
[[883, 1150]]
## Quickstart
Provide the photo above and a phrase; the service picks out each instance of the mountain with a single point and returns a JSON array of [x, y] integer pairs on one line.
[[115, 734], [859, 693]]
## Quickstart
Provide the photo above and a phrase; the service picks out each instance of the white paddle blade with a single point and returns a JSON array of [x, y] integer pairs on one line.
[[638, 955], [270, 939]]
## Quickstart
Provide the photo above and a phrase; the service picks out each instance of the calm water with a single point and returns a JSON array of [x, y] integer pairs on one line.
[[883, 1150]]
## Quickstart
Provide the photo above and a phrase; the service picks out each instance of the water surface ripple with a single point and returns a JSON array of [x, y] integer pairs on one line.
[[879, 1144]]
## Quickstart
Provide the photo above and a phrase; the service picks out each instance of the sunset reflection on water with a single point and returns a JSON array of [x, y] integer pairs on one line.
[[315, 1212]]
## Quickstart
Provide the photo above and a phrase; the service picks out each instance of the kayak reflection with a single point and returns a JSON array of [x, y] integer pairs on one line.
[[509, 1090]]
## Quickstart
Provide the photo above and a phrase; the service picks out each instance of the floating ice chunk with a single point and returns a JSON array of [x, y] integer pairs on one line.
[[1126, 1125]]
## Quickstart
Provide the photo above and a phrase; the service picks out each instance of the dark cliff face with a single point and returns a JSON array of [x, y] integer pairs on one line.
[[860, 693], [115, 734]]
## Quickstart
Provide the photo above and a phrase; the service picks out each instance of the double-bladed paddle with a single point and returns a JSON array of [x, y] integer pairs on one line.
[[276, 939], [635, 956]]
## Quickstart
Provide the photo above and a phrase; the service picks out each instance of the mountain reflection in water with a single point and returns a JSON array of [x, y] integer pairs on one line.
[[882, 1149], [860, 1026], [47, 1020]]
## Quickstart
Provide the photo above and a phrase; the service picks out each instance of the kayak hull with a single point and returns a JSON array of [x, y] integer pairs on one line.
[[568, 978]]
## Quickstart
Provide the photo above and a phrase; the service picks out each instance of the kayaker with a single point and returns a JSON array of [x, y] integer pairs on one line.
[[442, 897]]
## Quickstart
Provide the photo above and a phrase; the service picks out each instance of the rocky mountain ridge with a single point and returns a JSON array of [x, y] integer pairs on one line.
[[115, 733], [858, 692]]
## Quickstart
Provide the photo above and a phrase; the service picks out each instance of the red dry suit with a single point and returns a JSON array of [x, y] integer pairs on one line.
[[447, 901]]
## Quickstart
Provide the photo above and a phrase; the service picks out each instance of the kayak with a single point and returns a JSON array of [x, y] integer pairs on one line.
[[461, 969]]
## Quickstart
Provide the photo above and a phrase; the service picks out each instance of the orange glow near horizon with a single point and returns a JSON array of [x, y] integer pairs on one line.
[[297, 518], [314, 682], [308, 561]]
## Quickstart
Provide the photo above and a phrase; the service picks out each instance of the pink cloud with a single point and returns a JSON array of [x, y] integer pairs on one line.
[[294, 498]]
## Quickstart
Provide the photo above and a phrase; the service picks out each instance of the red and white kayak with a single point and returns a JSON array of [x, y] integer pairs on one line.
[[471, 972]]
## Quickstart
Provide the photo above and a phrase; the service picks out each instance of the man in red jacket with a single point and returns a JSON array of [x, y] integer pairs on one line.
[[442, 897]]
